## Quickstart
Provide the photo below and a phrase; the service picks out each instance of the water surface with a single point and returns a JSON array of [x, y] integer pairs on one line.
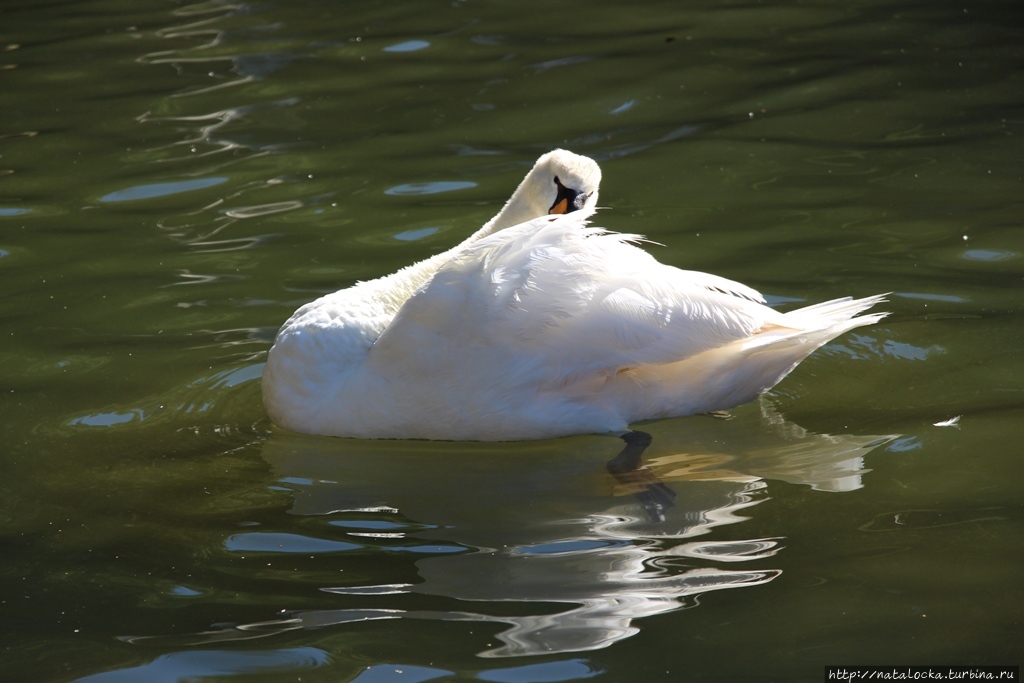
[[175, 179]]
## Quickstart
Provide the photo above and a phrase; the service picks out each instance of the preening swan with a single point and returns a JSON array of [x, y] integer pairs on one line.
[[538, 325]]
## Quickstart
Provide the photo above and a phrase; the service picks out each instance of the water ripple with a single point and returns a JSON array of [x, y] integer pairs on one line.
[[404, 673], [730, 551], [153, 190], [270, 542], [429, 188], [553, 672], [903, 520], [180, 666], [408, 46]]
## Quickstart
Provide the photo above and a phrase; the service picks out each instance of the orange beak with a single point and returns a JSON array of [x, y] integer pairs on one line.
[[560, 207]]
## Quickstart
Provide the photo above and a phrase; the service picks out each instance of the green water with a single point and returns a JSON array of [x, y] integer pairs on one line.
[[176, 179]]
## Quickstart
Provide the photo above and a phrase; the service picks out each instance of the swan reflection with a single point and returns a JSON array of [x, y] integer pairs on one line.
[[533, 524]]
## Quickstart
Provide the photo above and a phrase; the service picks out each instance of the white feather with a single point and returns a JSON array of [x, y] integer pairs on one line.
[[544, 328]]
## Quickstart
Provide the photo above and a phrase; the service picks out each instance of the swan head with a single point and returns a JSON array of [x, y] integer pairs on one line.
[[573, 178], [560, 182]]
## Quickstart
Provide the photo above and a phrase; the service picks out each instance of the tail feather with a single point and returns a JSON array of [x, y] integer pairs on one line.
[[816, 325], [721, 378], [829, 313]]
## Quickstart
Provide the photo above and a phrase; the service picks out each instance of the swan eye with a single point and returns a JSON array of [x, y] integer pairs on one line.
[[566, 199]]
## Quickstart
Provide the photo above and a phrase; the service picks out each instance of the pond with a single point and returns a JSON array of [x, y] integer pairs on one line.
[[176, 179]]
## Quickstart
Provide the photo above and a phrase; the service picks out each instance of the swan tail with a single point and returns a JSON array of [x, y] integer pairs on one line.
[[728, 376], [837, 311], [814, 326]]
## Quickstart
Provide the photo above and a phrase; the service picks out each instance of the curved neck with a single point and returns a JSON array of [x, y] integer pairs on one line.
[[399, 286], [531, 200]]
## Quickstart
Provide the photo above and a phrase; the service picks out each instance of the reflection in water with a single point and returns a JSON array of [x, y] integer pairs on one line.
[[152, 190], [220, 399], [532, 523], [205, 53], [214, 139], [179, 666]]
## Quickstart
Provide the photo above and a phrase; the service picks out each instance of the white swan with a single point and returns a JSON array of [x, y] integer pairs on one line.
[[536, 326]]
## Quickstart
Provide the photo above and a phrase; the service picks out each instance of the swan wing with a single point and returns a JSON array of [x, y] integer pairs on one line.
[[558, 300]]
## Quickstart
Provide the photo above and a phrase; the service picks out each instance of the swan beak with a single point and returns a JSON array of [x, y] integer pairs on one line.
[[568, 202]]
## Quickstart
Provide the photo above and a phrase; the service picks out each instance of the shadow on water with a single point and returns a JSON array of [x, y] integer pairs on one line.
[[539, 524]]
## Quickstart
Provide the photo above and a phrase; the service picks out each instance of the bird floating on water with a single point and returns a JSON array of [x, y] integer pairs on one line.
[[538, 325]]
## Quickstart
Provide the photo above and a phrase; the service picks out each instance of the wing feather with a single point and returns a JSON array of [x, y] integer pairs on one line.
[[567, 300]]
